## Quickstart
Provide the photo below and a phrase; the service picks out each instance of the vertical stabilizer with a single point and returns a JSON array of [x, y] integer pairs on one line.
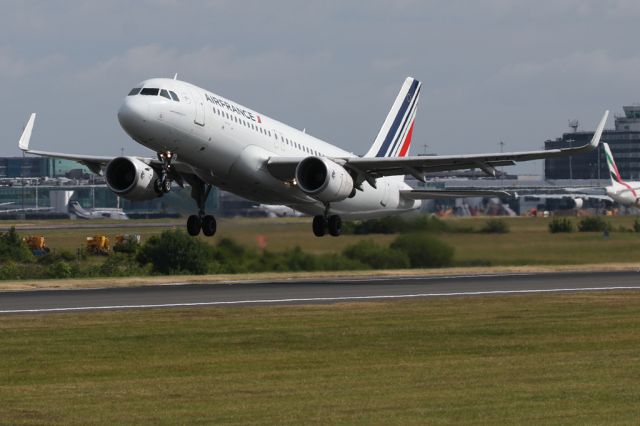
[[394, 138], [614, 173]]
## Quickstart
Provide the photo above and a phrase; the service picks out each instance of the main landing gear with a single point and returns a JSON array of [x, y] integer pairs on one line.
[[322, 223], [162, 185], [205, 222]]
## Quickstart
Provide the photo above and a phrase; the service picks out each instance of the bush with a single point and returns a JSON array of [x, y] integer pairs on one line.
[[593, 224], [424, 251], [495, 226], [636, 225], [560, 225], [121, 265], [395, 225], [59, 269], [130, 246], [13, 248], [369, 253], [175, 252], [53, 257]]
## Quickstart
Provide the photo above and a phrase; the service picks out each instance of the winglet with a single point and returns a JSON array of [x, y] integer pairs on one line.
[[598, 133], [23, 143]]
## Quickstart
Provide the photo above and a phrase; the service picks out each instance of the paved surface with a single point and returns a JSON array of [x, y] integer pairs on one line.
[[307, 291], [93, 224]]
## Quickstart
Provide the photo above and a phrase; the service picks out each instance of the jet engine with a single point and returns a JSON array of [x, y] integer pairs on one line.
[[132, 179], [575, 203], [324, 179]]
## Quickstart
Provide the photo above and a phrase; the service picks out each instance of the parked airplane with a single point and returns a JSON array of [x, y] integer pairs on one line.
[[620, 191], [204, 140], [96, 213], [278, 210]]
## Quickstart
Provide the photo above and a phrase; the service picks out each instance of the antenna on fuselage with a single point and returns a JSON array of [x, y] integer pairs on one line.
[[175, 76]]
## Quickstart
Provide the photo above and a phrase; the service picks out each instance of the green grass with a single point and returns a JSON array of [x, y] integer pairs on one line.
[[552, 359], [528, 243]]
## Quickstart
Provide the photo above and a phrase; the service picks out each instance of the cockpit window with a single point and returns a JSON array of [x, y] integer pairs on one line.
[[165, 94], [134, 91], [149, 91], [174, 96]]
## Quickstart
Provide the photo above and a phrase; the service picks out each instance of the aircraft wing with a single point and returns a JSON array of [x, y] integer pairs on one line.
[[563, 196], [95, 163], [370, 168], [429, 194]]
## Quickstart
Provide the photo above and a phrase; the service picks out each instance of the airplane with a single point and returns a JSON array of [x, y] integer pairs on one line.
[[96, 213], [206, 140], [278, 210], [624, 193]]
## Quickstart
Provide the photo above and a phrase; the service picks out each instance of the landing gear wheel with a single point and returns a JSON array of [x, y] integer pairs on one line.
[[194, 224], [157, 186], [209, 225], [335, 225], [319, 226], [166, 186]]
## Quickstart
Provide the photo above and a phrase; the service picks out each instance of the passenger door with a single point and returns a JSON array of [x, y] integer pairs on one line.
[[199, 103]]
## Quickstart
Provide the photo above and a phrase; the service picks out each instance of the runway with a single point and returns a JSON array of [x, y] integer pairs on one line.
[[311, 291]]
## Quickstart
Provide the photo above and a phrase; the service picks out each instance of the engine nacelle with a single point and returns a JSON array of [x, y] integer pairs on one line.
[[324, 179], [131, 179], [576, 203]]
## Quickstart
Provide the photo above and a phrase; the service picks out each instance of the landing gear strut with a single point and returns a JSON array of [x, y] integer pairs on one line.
[[205, 222], [162, 185], [321, 224]]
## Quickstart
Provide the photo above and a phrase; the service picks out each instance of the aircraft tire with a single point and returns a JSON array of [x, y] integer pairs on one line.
[[319, 226], [166, 186], [335, 225], [194, 224], [209, 225], [157, 186]]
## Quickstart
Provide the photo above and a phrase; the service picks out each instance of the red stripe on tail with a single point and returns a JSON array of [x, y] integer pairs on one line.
[[407, 143]]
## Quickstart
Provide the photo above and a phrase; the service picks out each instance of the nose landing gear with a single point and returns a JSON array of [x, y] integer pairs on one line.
[[162, 185]]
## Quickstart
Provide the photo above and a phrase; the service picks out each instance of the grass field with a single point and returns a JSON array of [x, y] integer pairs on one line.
[[553, 359], [528, 243]]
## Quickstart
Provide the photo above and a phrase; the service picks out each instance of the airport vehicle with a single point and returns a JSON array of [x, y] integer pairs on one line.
[[98, 245], [37, 244], [203, 139], [126, 243]]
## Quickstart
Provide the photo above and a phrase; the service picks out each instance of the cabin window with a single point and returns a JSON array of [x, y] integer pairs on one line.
[[134, 91], [148, 91], [174, 96], [165, 94]]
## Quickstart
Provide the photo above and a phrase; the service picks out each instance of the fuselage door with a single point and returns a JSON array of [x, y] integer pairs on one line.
[[199, 103]]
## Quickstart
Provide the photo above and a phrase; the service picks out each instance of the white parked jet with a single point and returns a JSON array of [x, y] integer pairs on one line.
[[620, 191], [204, 140]]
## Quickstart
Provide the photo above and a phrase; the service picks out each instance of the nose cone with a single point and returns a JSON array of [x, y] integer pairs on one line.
[[133, 115]]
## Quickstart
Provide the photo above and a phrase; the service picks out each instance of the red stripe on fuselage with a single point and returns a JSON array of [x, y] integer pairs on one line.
[[626, 185], [407, 142]]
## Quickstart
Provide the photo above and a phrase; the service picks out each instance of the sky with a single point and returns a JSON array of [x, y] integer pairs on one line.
[[492, 70]]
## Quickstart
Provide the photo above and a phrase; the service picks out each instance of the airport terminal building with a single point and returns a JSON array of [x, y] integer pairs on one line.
[[624, 142]]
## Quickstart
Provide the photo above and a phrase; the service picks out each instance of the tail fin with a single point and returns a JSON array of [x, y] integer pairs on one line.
[[394, 138], [614, 174]]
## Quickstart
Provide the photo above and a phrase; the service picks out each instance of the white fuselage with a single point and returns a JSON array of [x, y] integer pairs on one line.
[[626, 194], [228, 145]]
